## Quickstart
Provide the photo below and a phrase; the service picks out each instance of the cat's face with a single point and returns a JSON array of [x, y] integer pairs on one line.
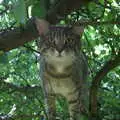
[[60, 42]]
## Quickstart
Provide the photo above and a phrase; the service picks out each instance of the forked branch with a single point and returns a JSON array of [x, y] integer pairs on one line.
[[111, 64]]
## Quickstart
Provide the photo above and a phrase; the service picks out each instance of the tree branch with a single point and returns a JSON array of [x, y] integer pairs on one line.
[[111, 64], [96, 23], [27, 90], [63, 8], [23, 89], [18, 36]]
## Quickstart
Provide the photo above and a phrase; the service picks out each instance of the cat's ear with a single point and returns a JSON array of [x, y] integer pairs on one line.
[[78, 30], [42, 26]]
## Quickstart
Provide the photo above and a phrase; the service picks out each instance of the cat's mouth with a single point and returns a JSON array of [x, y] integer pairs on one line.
[[59, 55]]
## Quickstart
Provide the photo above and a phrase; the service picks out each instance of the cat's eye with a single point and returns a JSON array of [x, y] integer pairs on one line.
[[69, 40]]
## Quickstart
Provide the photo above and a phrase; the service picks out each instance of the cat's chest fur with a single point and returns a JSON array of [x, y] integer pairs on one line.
[[58, 73], [60, 85]]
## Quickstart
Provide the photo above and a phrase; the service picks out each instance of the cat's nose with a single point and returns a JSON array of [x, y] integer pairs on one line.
[[59, 48], [59, 45]]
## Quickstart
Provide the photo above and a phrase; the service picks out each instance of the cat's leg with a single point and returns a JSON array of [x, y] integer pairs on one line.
[[76, 107], [49, 101], [51, 108], [73, 105]]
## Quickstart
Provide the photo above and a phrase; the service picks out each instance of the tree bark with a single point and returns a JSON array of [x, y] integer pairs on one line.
[[19, 36], [111, 64]]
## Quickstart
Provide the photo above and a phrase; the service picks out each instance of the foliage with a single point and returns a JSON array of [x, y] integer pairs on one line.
[[21, 95]]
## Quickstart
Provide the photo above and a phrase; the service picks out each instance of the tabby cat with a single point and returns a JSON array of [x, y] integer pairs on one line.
[[63, 67]]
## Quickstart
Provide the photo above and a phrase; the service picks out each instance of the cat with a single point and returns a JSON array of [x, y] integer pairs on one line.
[[63, 67]]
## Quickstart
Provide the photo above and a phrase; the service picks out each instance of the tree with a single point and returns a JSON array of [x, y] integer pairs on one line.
[[19, 76]]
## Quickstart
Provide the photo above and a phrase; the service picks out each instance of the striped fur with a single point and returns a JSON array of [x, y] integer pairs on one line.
[[63, 70]]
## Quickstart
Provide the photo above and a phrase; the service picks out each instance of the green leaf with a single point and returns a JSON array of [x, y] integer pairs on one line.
[[20, 11], [3, 58], [39, 9]]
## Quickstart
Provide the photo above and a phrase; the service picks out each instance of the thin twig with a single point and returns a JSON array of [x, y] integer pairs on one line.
[[31, 49], [96, 23]]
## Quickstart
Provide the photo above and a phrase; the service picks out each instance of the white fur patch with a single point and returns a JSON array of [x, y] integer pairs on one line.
[[59, 62]]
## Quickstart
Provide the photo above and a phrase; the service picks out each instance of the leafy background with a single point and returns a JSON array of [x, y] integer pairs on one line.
[[21, 96]]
